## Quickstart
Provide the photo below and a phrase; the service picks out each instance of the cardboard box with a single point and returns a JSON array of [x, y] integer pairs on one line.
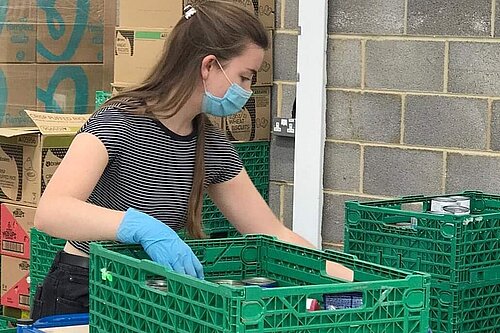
[[29, 156], [16, 313], [254, 122], [68, 88], [264, 9], [150, 13], [218, 122], [136, 53], [15, 283], [17, 31], [17, 92], [264, 76], [70, 32], [16, 222], [110, 20]]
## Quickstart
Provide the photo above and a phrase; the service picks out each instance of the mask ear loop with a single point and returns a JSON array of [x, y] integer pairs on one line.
[[223, 71]]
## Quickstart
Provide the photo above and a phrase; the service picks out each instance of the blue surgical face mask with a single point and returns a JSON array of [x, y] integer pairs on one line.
[[233, 101]]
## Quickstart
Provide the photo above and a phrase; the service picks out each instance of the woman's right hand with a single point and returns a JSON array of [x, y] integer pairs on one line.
[[160, 242]]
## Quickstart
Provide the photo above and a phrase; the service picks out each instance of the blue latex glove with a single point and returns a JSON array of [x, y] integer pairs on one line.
[[159, 241]]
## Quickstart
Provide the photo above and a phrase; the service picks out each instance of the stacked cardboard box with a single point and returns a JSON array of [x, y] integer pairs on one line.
[[29, 157], [143, 28], [51, 61], [50, 57]]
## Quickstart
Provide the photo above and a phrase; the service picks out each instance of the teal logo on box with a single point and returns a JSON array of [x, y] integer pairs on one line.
[[3, 95], [58, 29], [77, 75], [20, 119], [4, 4]]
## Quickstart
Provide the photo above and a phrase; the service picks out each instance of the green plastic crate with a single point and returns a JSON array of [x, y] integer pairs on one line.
[[8, 330], [43, 251], [393, 300], [101, 97], [7, 324], [215, 224], [255, 157], [465, 307], [460, 252]]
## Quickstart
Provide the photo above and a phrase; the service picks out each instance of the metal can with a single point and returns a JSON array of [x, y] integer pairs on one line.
[[456, 210], [229, 282], [261, 282], [343, 301], [157, 283], [461, 200], [437, 204]]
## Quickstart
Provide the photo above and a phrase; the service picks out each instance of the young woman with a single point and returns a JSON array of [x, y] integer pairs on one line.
[[137, 170]]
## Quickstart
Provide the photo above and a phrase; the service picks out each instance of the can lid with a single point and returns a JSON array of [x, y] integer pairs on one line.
[[456, 209], [156, 282], [459, 197], [445, 199], [228, 282], [258, 280]]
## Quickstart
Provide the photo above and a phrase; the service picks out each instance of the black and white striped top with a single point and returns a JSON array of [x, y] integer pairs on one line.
[[150, 168]]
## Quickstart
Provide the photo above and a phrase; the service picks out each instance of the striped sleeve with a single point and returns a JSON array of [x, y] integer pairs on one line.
[[107, 125], [224, 156]]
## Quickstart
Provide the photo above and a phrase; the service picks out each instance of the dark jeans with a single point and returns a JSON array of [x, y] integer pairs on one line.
[[65, 290]]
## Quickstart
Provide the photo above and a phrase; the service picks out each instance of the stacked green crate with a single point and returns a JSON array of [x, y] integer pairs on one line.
[[43, 250], [101, 97], [7, 324], [255, 157], [462, 254], [121, 300]]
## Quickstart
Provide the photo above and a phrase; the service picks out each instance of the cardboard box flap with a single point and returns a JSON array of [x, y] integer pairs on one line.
[[57, 124], [17, 131]]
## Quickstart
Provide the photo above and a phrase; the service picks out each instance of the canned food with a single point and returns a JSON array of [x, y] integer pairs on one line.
[[343, 301], [261, 282], [157, 283], [229, 282], [437, 204], [461, 200], [456, 210]]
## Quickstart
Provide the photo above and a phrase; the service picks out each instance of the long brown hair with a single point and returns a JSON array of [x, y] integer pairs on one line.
[[218, 28]]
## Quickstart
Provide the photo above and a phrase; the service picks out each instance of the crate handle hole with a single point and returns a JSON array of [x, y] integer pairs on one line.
[[339, 271]]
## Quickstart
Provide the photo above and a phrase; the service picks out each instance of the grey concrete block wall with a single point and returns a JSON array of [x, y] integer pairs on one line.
[[287, 100], [363, 117], [366, 17], [344, 63], [474, 68], [288, 206], [446, 122], [397, 172], [341, 167], [470, 172], [281, 202], [282, 159], [285, 51], [413, 101], [405, 65], [497, 19], [495, 126], [291, 14], [333, 216], [453, 18], [275, 198]]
